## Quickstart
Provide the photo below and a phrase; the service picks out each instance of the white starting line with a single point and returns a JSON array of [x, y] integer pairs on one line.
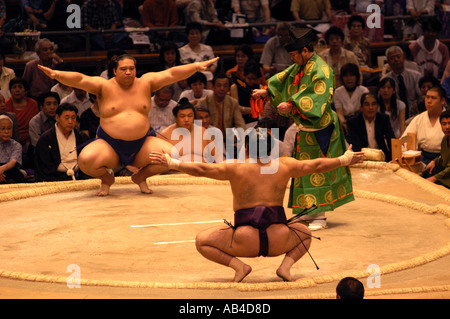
[[176, 224]]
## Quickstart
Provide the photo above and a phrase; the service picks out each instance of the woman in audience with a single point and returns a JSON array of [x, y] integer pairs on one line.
[[196, 51], [390, 105], [242, 55]]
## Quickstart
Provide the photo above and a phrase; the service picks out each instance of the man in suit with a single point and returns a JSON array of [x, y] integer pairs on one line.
[[56, 156], [225, 111], [370, 128]]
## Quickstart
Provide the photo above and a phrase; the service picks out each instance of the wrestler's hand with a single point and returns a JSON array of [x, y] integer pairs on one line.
[[49, 72], [350, 157], [284, 108], [204, 65], [163, 159]]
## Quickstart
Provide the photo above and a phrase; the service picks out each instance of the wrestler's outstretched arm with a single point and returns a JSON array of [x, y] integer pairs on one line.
[[220, 171], [321, 165], [91, 84], [176, 73]]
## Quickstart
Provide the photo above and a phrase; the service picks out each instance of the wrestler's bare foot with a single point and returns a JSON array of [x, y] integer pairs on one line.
[[142, 183], [241, 269], [242, 273], [284, 274], [107, 180]]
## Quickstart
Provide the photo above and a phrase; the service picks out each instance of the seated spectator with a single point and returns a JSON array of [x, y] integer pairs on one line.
[[350, 288], [197, 83], [254, 11], [361, 6], [370, 128], [103, 15], [416, 8], [195, 51], [446, 72], [161, 13], [182, 134], [242, 54], [224, 110], [6, 74], [169, 56], [392, 106], [110, 56], [78, 98], [55, 158], [202, 115], [438, 170], [347, 97], [274, 57], [426, 125], [10, 154], [311, 9], [204, 13], [61, 89], [242, 91], [45, 119], [425, 83], [90, 119], [12, 116], [56, 18], [35, 14], [24, 107], [406, 80], [37, 81], [5, 42], [356, 42], [283, 123], [409, 60], [430, 54], [336, 56], [160, 114]]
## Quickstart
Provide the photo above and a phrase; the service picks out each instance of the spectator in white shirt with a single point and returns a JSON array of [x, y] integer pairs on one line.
[[160, 114], [79, 98]]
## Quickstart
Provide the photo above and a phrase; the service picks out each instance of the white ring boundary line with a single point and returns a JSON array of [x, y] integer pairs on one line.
[[176, 224], [174, 242]]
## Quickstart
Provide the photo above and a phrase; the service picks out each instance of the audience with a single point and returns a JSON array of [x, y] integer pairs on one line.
[[438, 170], [78, 98], [430, 54], [10, 154], [103, 15], [311, 9], [196, 51], [426, 125], [242, 54], [336, 56], [370, 128], [161, 114], [38, 82], [392, 106], [55, 158], [12, 116], [197, 84], [406, 80], [90, 119], [416, 8], [224, 110], [24, 107], [45, 119], [242, 90], [203, 12], [356, 42], [350, 288], [6, 74], [348, 96], [274, 57]]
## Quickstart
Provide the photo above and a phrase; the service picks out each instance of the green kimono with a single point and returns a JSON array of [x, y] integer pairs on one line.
[[321, 134]]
